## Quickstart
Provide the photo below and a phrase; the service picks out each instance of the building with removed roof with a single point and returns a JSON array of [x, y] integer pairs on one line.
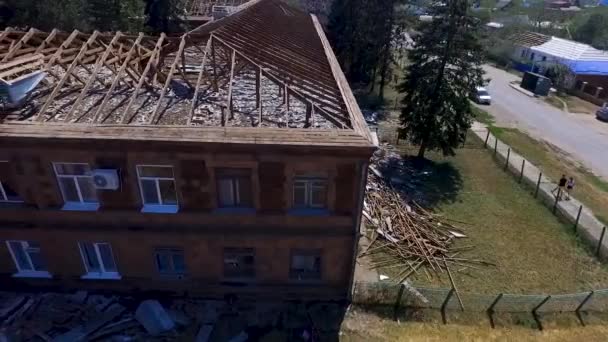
[[231, 159]]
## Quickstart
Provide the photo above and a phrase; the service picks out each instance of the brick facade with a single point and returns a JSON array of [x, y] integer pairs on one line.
[[202, 231]]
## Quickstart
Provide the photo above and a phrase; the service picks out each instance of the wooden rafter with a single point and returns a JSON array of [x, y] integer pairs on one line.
[[156, 112], [18, 46], [125, 117], [98, 66], [47, 41], [230, 104], [59, 86], [198, 82], [118, 75]]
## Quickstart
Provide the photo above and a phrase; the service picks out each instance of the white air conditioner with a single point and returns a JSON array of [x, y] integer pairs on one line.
[[106, 179]]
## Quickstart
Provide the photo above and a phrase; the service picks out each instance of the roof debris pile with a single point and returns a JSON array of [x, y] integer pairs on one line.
[[85, 316], [406, 237]]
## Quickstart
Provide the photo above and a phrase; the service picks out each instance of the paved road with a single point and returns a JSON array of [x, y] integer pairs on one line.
[[580, 135]]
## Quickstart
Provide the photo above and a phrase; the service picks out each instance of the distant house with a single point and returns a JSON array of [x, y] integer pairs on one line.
[[538, 52]]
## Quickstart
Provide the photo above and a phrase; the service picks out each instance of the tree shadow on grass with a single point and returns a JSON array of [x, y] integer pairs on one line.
[[426, 182]]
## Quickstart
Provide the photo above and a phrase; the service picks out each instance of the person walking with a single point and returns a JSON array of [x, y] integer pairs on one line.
[[569, 188], [561, 186]]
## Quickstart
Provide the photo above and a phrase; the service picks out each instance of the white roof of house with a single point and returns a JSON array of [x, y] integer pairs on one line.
[[568, 49]]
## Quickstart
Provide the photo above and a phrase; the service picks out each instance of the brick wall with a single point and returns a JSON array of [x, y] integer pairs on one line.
[[203, 233]]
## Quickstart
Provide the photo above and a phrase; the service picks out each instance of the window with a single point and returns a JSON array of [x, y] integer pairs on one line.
[[98, 260], [309, 193], [239, 263], [305, 264], [157, 186], [234, 188], [544, 58], [532, 56], [523, 53], [170, 261], [7, 194], [28, 259], [76, 184]]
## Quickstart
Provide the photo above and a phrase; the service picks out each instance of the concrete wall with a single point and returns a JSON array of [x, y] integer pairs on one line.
[[273, 229]]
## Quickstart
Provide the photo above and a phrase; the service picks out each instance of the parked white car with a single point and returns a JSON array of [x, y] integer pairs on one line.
[[482, 96]]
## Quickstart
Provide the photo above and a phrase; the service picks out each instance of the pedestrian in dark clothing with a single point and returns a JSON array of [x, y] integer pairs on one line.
[[569, 188], [561, 187]]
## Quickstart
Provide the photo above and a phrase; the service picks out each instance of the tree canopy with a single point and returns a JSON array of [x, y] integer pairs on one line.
[[153, 16], [592, 28], [445, 70]]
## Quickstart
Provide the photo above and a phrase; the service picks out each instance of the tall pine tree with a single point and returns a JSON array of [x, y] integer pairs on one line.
[[445, 70]]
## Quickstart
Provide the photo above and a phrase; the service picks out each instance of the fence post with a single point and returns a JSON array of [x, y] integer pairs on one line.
[[398, 302], [535, 313], [521, 174], [485, 143], [495, 145], [580, 307], [559, 193], [540, 175], [599, 243], [490, 310], [578, 217], [508, 157], [445, 304]]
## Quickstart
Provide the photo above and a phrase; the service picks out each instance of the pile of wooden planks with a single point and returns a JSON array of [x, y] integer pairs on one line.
[[410, 238]]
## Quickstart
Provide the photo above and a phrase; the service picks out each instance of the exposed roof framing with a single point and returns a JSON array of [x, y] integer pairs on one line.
[[203, 9], [268, 65]]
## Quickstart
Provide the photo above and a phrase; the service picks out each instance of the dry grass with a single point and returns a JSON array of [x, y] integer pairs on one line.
[[368, 327]]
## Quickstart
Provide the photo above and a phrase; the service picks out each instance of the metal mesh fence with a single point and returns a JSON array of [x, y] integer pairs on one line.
[[440, 298]]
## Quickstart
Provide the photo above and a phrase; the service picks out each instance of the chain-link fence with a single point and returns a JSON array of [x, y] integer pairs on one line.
[[445, 299]]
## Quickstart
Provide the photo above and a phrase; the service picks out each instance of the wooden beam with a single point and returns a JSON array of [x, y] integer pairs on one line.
[[233, 60], [57, 89], [214, 61], [98, 65], [106, 97], [62, 47], [19, 44], [163, 92], [198, 83], [125, 114], [258, 86], [308, 115], [5, 33]]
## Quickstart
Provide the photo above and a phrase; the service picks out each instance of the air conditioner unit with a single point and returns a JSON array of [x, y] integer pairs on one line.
[[106, 179]]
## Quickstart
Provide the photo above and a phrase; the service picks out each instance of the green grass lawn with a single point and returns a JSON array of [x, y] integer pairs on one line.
[[532, 250]]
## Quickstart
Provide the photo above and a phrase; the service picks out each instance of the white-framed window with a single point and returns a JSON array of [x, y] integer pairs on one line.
[[170, 261], [157, 188], [7, 193], [239, 263], [305, 264], [28, 259], [98, 260], [76, 185], [309, 192], [234, 188]]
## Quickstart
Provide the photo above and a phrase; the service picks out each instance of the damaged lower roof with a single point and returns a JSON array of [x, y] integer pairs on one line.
[[268, 65]]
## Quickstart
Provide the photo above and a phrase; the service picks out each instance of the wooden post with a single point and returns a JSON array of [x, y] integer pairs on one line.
[[490, 310], [308, 115], [559, 193], [453, 285], [495, 145], [223, 116], [535, 312], [580, 307], [578, 217], [198, 82], [258, 90], [445, 304], [233, 62], [398, 302], [540, 176], [287, 98], [599, 243], [508, 157], [215, 86], [521, 174]]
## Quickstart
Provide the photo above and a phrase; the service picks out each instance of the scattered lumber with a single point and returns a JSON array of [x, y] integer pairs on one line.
[[410, 237]]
